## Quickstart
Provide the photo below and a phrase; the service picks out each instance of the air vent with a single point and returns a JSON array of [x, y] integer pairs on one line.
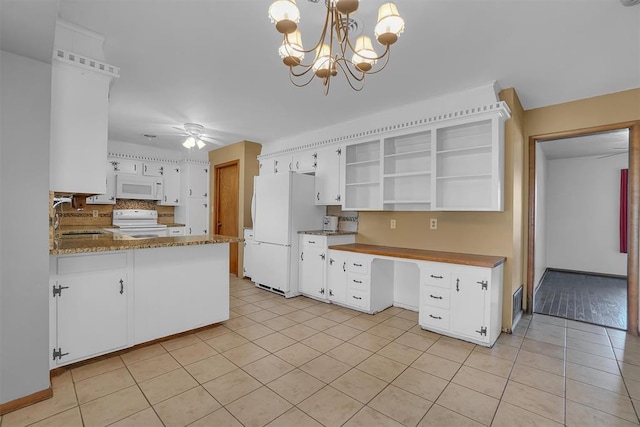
[[517, 304], [630, 2]]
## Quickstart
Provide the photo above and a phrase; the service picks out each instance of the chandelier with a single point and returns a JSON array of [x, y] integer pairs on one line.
[[334, 45]]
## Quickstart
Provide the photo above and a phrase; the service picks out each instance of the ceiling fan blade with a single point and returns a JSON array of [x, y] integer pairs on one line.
[[180, 128]]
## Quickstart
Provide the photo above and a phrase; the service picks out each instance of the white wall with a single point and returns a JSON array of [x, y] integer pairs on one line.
[[121, 147], [25, 102], [583, 208], [540, 247], [473, 97]]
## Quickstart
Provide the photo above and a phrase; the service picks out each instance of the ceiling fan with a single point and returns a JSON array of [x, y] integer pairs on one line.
[[194, 136]]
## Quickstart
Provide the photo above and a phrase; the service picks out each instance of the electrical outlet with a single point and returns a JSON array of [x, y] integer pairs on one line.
[[433, 223], [393, 224], [95, 213]]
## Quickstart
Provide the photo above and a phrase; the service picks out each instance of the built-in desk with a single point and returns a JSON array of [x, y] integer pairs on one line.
[[455, 294]]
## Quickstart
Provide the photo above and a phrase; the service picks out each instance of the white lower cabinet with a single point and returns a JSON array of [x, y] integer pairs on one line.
[[109, 301], [462, 301], [314, 265], [337, 276], [91, 297]]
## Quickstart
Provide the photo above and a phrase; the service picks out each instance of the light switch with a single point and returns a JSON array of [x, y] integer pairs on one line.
[[433, 223], [95, 213]]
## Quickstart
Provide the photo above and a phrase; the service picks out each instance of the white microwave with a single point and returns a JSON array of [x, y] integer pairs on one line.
[[138, 187]]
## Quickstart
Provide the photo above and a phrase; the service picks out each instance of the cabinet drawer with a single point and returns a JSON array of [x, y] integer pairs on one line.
[[358, 265], [176, 231], [358, 281], [314, 241], [434, 316], [358, 298], [436, 276], [435, 297]]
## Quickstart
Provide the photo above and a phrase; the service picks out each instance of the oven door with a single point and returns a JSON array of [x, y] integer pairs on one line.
[[141, 233]]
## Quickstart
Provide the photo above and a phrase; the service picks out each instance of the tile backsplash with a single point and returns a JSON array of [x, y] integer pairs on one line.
[[347, 220]]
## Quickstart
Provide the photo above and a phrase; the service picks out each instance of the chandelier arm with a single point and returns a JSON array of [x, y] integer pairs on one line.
[[292, 75], [348, 68], [321, 39], [307, 68], [360, 80], [387, 55]]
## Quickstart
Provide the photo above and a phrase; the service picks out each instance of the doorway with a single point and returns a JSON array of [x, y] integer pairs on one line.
[[226, 195], [565, 246]]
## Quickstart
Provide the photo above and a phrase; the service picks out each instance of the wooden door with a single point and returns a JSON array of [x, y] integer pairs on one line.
[[226, 207]]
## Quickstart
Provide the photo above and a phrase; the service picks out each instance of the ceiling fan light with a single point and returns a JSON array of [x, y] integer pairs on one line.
[[291, 50], [390, 24], [190, 142], [200, 143], [285, 14], [323, 64], [364, 56]]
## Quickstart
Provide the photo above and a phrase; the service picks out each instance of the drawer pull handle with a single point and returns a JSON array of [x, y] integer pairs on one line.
[[435, 297], [357, 281], [435, 317], [357, 265], [344, 266], [457, 285], [355, 297], [311, 242], [436, 277]]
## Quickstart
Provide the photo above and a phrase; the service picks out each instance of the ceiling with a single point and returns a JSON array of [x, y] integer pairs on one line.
[[215, 62], [597, 144]]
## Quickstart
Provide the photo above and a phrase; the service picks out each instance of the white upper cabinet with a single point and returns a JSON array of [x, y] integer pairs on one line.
[[127, 166], [79, 121], [109, 197], [362, 187], [152, 169], [328, 176], [171, 187], [196, 180], [276, 164], [304, 161], [407, 172], [469, 164]]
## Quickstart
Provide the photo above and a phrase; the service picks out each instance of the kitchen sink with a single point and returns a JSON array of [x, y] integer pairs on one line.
[[83, 233]]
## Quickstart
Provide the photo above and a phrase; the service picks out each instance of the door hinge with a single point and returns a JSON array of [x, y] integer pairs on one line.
[[322, 256], [482, 331], [339, 151], [57, 290], [485, 284], [321, 291], [58, 354]]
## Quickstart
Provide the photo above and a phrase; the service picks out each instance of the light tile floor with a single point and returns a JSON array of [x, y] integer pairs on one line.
[[299, 362]]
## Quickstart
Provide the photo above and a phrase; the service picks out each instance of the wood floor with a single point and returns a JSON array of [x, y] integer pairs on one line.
[[601, 300]]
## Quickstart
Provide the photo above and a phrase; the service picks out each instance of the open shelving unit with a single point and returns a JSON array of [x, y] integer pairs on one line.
[[407, 172], [362, 176]]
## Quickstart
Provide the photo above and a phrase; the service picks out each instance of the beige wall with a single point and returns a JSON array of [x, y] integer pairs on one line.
[[487, 233], [246, 153]]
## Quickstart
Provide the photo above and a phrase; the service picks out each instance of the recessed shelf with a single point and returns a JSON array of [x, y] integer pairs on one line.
[[364, 162], [479, 149], [355, 184], [400, 202], [407, 154]]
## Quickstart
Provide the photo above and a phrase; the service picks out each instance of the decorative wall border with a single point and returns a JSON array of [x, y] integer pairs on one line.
[[87, 63], [500, 107], [156, 159]]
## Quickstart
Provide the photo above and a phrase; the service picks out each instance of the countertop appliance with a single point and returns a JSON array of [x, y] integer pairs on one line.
[[283, 204], [330, 223], [140, 223]]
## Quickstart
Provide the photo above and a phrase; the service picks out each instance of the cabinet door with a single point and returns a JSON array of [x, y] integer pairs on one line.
[[152, 169], [109, 197], [198, 217], [304, 161], [198, 181], [468, 303], [91, 314], [328, 185], [125, 166], [337, 277], [312, 262], [171, 186]]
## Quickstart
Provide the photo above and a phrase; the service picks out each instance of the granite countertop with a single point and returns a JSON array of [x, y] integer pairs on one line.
[[328, 233], [75, 241], [423, 255]]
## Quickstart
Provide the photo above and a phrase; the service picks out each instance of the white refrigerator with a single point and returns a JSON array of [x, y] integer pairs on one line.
[[283, 204]]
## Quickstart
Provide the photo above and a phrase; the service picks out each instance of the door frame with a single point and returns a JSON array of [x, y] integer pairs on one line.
[[216, 202], [633, 260]]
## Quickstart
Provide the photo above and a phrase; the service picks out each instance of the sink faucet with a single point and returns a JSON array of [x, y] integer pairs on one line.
[[60, 200]]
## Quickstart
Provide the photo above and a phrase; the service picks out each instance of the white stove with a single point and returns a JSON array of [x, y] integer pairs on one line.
[[139, 223]]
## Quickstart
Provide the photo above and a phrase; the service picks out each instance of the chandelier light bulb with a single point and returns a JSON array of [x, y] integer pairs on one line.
[[390, 24], [291, 50], [200, 143], [364, 56], [285, 14], [346, 6], [190, 142], [322, 65]]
